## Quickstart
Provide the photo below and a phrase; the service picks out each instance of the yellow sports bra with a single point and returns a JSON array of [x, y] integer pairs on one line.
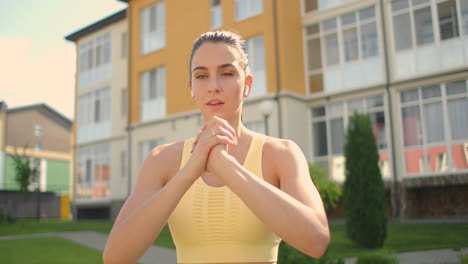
[[212, 225]]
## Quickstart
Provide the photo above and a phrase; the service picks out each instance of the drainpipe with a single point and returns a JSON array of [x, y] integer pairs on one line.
[[129, 100], [396, 186], [277, 70]]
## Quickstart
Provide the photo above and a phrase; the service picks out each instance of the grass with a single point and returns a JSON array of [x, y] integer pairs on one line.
[[51, 250], [401, 237], [52, 225]]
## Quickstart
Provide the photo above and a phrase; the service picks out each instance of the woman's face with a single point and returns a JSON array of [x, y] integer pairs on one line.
[[218, 80]]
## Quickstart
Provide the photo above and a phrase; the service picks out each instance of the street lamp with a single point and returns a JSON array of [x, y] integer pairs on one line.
[[266, 107]]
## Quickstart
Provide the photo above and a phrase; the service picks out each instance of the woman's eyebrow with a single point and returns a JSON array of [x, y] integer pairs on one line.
[[199, 68], [226, 65]]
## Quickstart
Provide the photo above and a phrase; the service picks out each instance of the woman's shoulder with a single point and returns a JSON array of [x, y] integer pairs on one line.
[[280, 150], [166, 153]]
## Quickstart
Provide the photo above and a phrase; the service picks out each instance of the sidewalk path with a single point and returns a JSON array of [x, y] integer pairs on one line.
[[154, 255]]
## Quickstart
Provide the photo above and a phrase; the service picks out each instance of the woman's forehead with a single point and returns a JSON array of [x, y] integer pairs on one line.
[[215, 54]]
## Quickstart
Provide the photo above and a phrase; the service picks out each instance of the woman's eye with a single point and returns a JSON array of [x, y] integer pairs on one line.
[[200, 76], [227, 74]]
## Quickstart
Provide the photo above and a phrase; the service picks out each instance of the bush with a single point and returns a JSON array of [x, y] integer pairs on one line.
[[364, 191], [5, 218], [329, 190], [464, 259], [376, 259], [290, 255]]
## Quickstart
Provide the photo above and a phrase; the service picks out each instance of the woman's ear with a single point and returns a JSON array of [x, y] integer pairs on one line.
[[191, 90], [248, 85]]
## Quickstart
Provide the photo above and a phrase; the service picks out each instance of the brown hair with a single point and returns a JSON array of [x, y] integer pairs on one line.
[[228, 37]]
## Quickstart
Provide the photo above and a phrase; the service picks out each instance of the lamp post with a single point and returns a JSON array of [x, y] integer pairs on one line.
[[38, 133], [266, 107]]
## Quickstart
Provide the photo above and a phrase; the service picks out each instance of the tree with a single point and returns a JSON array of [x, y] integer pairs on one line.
[[364, 190], [24, 173]]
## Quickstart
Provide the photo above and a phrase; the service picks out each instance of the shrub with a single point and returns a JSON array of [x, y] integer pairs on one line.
[[376, 259], [329, 190], [290, 255], [464, 259], [364, 190]]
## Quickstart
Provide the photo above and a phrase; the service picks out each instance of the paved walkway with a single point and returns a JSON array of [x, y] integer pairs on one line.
[[159, 255]]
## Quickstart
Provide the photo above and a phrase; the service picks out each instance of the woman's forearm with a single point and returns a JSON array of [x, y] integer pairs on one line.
[[302, 226], [133, 235]]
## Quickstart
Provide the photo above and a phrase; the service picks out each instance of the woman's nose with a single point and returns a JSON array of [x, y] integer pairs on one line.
[[214, 85]]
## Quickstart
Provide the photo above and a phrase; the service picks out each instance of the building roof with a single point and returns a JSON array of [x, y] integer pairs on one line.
[[44, 108], [3, 106], [98, 25]]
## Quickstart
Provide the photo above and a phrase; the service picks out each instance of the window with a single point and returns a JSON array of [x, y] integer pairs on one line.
[[256, 52], [426, 36], [93, 120], [152, 94], [434, 125], [312, 5], [248, 8], [147, 146], [94, 60], [38, 130], [93, 172], [124, 43], [329, 124], [448, 22], [343, 52], [153, 28], [124, 103], [216, 14]]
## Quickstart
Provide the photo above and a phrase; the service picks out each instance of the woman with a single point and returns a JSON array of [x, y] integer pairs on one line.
[[229, 194]]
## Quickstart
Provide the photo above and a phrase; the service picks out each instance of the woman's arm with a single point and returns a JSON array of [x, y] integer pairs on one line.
[[154, 198], [295, 211], [146, 211]]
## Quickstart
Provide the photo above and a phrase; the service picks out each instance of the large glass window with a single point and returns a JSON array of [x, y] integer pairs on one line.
[[329, 124], [434, 121], [426, 36], [343, 52], [256, 52], [153, 28], [153, 94], [94, 60], [93, 116], [248, 8], [93, 172]]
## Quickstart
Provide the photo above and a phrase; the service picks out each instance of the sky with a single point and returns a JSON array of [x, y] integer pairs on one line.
[[37, 64]]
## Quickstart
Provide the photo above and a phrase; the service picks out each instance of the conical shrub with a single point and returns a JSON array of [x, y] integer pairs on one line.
[[364, 191]]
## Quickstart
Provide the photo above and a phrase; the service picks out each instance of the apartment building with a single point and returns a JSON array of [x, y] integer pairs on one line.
[[44, 136], [315, 63], [100, 137], [403, 62]]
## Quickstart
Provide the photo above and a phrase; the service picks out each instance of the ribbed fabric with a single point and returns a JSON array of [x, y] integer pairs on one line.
[[211, 224]]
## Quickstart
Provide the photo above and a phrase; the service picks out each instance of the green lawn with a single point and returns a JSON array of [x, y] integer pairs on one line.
[[50, 250], [401, 236]]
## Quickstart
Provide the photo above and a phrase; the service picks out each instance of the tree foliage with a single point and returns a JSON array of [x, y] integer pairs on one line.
[[364, 190], [24, 172], [330, 191]]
